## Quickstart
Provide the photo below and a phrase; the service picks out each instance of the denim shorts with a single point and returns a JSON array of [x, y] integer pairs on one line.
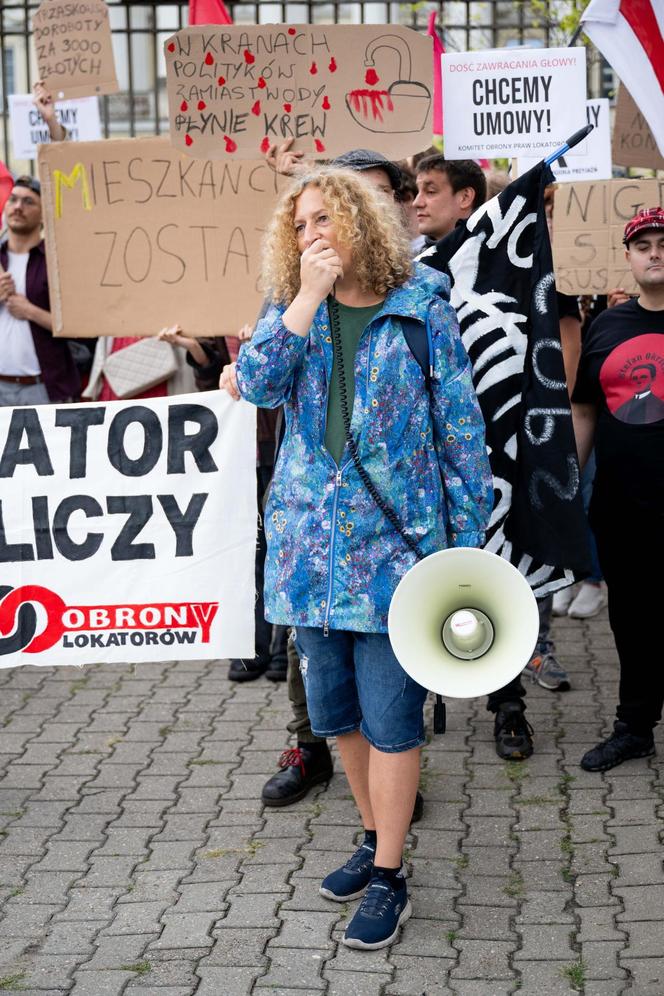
[[354, 682]]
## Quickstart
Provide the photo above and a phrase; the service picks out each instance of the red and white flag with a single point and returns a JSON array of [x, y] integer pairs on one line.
[[630, 36]]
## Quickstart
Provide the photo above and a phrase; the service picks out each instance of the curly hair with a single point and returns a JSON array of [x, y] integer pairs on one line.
[[365, 221]]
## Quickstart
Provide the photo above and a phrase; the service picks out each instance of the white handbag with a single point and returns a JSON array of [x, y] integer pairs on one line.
[[139, 367]]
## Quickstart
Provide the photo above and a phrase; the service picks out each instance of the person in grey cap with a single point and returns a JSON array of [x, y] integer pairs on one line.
[[383, 174]]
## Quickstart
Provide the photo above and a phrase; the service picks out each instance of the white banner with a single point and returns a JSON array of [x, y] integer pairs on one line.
[[127, 531], [591, 158], [80, 117], [512, 102]]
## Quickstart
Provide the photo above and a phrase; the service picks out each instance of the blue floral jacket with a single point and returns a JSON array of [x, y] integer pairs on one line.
[[333, 559]]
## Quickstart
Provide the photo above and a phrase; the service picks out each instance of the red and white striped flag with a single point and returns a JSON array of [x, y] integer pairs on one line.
[[630, 36]]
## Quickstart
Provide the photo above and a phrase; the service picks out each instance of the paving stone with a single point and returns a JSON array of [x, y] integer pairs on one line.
[[485, 861], [479, 958], [639, 869], [426, 937], [600, 959], [46, 887], [136, 918], [237, 981], [646, 975], [244, 948], [594, 890], [290, 964], [633, 812], [89, 904], [546, 978], [161, 975], [108, 872], [61, 939], [26, 920], [605, 988], [187, 930], [485, 923], [416, 976], [204, 897], [302, 930], [150, 886], [645, 938], [433, 904], [114, 953], [639, 902], [544, 943], [356, 983], [635, 839], [598, 924], [353, 961], [86, 827], [171, 855], [495, 892], [93, 983]]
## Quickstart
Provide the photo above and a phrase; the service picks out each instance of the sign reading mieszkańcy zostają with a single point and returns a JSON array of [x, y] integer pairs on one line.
[[127, 531]]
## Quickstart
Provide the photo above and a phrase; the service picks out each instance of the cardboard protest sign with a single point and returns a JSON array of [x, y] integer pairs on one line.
[[127, 531], [591, 158], [633, 142], [512, 102], [80, 117], [235, 91], [74, 48], [588, 223], [139, 236]]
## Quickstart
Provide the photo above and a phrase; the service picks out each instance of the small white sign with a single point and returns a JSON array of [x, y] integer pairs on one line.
[[28, 128], [591, 158], [512, 102]]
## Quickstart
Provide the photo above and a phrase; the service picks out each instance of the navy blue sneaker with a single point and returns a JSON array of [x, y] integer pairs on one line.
[[350, 881], [379, 915]]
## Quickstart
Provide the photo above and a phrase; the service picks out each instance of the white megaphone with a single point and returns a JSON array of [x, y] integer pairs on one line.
[[463, 622]]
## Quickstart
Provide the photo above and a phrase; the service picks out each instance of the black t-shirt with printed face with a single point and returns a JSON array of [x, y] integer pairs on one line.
[[622, 372]]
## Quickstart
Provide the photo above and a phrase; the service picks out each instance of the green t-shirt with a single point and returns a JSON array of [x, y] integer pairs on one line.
[[352, 323]]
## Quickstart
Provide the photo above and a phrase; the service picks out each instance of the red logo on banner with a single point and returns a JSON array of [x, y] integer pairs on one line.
[[19, 621]]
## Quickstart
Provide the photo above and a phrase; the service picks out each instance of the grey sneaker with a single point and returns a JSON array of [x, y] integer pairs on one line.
[[546, 670]]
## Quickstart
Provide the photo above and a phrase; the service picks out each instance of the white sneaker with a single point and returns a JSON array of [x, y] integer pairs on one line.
[[589, 601], [563, 599]]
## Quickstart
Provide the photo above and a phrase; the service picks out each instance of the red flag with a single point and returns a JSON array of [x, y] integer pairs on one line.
[[208, 12], [630, 36], [6, 185], [438, 50]]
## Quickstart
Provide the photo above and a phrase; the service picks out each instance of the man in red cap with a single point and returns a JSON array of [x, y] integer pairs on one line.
[[618, 402]]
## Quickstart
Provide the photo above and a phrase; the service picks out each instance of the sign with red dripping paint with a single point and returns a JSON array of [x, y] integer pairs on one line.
[[235, 91]]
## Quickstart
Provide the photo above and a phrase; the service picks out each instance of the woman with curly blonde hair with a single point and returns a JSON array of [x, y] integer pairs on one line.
[[375, 469], [365, 221]]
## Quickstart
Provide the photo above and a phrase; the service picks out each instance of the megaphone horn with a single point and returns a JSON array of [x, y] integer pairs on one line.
[[463, 622]]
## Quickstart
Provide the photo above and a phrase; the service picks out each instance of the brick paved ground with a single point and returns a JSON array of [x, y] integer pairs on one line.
[[136, 858]]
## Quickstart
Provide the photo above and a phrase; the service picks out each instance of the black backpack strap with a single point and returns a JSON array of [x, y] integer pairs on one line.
[[417, 336]]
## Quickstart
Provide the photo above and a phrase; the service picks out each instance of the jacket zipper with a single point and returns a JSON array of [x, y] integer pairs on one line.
[[330, 567]]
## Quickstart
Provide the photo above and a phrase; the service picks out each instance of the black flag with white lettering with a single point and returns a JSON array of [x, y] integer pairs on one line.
[[500, 265]]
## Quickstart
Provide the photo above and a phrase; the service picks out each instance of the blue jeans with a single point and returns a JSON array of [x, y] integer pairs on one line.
[[353, 681]]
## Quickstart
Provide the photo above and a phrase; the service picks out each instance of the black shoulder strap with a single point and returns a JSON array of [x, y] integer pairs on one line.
[[416, 336]]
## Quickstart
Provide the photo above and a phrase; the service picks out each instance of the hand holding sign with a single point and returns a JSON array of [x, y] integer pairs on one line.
[[74, 49]]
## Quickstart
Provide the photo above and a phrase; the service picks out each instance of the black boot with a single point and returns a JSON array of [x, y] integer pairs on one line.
[[302, 767], [246, 670]]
